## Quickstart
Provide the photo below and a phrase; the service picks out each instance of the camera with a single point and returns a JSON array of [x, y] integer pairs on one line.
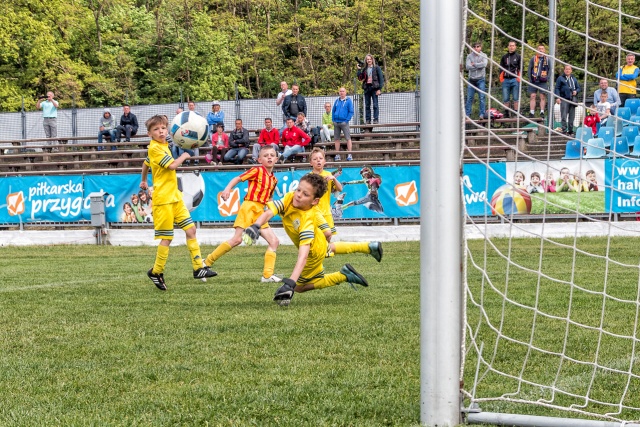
[[359, 62], [42, 97]]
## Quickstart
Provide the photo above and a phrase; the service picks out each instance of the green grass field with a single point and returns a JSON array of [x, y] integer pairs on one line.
[[86, 339]]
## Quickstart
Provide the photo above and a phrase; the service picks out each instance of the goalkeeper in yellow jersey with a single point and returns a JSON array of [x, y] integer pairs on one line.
[[168, 206], [305, 226]]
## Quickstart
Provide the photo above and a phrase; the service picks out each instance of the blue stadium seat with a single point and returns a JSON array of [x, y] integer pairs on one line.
[[584, 133], [595, 149], [573, 150], [636, 147], [607, 133], [632, 104], [619, 148], [630, 132]]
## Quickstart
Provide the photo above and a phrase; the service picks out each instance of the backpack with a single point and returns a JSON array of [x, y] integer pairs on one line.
[[494, 113]]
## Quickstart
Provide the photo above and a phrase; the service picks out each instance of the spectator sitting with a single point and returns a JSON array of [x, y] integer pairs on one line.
[[128, 124], [592, 120], [293, 140], [268, 136], [302, 122], [342, 112], [603, 108], [327, 123], [238, 143], [219, 146], [215, 117], [612, 95], [107, 128]]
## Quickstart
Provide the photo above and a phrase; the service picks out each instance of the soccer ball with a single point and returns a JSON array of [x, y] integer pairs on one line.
[[189, 130], [509, 200], [192, 186]]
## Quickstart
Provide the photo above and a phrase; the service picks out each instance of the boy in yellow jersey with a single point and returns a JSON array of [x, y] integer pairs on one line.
[[305, 226], [168, 207], [324, 205], [262, 184]]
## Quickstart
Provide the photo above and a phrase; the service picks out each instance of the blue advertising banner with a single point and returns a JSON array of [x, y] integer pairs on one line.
[[622, 181], [41, 198], [479, 183]]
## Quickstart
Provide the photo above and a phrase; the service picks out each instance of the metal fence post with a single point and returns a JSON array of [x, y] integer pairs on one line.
[[74, 117], [357, 107], [23, 120], [417, 101], [237, 104]]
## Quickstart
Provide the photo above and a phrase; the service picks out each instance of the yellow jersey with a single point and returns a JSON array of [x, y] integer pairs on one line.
[[325, 201], [165, 181], [302, 227]]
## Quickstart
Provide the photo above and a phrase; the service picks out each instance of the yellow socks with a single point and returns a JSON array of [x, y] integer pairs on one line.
[[162, 253], [351, 247], [269, 263], [194, 250], [222, 249], [329, 280]]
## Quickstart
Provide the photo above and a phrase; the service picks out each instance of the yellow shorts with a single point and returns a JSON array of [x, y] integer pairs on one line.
[[165, 216], [329, 218], [314, 270], [248, 213]]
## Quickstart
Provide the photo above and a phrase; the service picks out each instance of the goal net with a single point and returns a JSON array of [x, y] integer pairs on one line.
[[552, 316]]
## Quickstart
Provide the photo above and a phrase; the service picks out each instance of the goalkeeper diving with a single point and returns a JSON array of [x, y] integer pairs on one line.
[[308, 230]]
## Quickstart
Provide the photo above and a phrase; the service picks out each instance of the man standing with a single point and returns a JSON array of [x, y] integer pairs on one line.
[[284, 92], [627, 75], [612, 95], [238, 144], [510, 64], [50, 115], [538, 78], [476, 65], [341, 114], [567, 89], [294, 104], [128, 124]]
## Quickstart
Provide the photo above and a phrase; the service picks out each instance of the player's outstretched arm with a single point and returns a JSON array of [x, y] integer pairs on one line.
[[227, 190]]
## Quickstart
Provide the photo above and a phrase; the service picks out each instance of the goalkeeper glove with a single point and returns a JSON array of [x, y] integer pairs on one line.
[[284, 294], [251, 234]]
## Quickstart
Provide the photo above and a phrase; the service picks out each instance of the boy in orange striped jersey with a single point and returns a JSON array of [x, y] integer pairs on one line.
[[262, 184]]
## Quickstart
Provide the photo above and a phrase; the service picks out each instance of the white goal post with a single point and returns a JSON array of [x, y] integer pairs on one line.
[[540, 330]]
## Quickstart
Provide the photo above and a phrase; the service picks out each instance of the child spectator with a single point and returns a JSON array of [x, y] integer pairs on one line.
[[518, 180], [307, 229], [107, 128], [324, 205], [592, 120], [535, 186], [168, 206], [566, 182], [262, 184], [219, 146], [604, 108]]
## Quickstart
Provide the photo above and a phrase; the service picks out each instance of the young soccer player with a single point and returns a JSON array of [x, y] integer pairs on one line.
[[305, 225], [168, 207], [317, 162], [262, 184]]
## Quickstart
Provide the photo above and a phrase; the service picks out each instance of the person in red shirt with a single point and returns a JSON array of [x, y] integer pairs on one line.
[[592, 120], [268, 136], [293, 140]]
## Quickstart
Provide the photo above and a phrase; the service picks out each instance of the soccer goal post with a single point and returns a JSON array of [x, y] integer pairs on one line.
[[551, 199]]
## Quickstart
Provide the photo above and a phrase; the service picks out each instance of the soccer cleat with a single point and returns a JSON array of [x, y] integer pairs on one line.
[[375, 249], [157, 279], [337, 158], [203, 273], [284, 294], [353, 277], [272, 279]]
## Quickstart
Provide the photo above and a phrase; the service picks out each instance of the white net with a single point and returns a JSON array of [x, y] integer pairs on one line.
[[553, 203]]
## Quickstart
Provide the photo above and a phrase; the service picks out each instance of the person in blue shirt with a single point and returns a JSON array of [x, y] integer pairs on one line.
[[341, 114], [50, 115], [215, 117]]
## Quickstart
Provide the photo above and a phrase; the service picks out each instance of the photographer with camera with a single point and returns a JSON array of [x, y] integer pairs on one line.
[[372, 80], [50, 115]]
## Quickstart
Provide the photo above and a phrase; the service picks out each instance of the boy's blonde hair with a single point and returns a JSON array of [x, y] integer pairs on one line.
[[155, 120], [317, 150]]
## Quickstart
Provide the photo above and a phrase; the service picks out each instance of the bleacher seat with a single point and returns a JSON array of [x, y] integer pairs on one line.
[[623, 116], [632, 104], [608, 134], [635, 121], [619, 148], [630, 132], [573, 150], [595, 149], [635, 151], [584, 133]]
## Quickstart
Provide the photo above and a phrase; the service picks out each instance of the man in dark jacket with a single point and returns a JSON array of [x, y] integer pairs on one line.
[[294, 104], [128, 124], [567, 89], [238, 144], [510, 64]]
